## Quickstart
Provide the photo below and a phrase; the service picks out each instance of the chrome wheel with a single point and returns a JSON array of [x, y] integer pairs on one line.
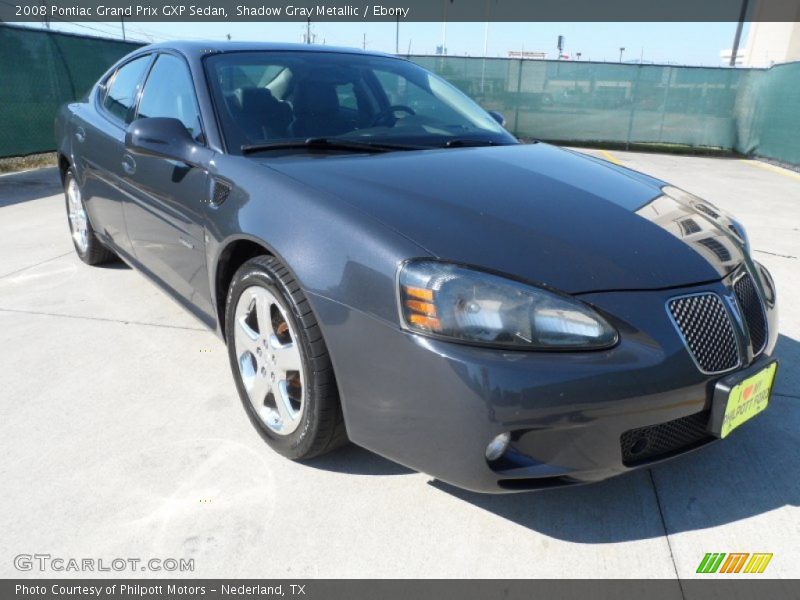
[[78, 223], [268, 355]]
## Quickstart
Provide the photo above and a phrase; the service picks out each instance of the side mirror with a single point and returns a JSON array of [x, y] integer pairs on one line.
[[164, 138], [498, 117]]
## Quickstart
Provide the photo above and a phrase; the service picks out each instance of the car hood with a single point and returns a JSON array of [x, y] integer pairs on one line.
[[537, 212]]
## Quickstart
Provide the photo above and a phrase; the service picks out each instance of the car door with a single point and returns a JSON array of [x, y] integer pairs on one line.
[[99, 142], [166, 217]]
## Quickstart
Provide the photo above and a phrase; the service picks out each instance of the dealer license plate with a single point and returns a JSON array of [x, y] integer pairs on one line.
[[746, 399]]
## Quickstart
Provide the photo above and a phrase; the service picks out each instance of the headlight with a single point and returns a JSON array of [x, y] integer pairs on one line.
[[462, 304], [768, 284]]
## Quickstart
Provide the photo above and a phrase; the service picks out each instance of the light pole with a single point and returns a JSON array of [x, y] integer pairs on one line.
[[486, 32], [621, 50], [738, 36], [45, 18], [485, 48], [444, 27]]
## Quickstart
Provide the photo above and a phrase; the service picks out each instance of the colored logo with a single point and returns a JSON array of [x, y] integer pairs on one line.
[[735, 562]]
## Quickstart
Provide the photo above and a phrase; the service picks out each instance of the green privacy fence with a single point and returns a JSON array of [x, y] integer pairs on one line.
[[38, 72], [600, 102], [768, 114], [752, 111]]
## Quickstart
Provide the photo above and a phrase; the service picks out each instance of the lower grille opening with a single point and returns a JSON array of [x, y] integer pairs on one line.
[[655, 442], [536, 483]]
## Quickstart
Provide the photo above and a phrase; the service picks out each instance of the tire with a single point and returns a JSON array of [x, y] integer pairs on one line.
[[89, 249], [290, 397]]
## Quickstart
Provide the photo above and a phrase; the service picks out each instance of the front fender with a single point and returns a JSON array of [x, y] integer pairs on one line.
[[63, 129], [335, 250]]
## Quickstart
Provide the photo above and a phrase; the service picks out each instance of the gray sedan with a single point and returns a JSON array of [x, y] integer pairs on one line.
[[388, 265]]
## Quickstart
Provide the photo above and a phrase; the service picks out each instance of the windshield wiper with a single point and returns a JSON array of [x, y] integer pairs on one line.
[[326, 144], [463, 142]]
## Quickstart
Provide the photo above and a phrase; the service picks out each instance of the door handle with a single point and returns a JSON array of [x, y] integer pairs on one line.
[[128, 164], [80, 134]]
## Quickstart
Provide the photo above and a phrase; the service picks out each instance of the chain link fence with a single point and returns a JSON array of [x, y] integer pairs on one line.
[[751, 111]]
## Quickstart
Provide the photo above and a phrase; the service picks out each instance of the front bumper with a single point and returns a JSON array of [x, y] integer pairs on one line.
[[434, 406]]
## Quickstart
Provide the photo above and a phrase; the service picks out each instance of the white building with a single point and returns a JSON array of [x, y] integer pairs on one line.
[[769, 43], [772, 43]]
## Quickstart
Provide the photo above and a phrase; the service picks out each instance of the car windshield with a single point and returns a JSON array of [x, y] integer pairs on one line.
[[267, 98]]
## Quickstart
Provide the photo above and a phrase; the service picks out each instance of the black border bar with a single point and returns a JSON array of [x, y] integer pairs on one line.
[[402, 10], [711, 586]]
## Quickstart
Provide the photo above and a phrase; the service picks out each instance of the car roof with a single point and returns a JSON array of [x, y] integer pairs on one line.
[[199, 48]]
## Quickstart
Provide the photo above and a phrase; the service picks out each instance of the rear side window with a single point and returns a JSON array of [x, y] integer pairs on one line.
[[169, 92], [124, 86]]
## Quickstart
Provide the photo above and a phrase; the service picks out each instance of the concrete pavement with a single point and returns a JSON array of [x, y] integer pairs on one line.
[[123, 437]]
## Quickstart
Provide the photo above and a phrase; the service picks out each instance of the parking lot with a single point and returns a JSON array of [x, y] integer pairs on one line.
[[123, 437]]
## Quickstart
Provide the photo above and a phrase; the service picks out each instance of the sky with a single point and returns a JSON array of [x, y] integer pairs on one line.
[[665, 43]]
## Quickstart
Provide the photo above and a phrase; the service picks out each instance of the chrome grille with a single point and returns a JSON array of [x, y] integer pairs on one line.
[[752, 311], [707, 330]]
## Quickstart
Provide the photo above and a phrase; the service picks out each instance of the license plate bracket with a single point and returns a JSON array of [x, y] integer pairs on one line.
[[740, 397]]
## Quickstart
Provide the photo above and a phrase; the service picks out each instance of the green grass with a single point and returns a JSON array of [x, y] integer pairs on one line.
[[23, 163]]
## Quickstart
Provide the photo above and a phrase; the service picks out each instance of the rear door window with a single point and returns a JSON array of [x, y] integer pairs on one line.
[[124, 86]]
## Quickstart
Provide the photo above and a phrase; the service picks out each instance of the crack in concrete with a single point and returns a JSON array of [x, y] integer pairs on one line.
[[666, 533], [101, 319], [47, 260], [776, 254]]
